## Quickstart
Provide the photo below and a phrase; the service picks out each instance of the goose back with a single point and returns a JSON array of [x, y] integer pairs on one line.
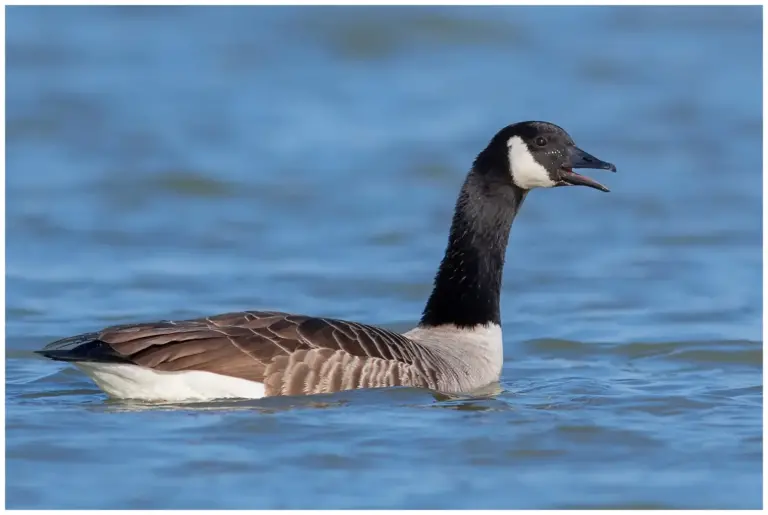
[[289, 354]]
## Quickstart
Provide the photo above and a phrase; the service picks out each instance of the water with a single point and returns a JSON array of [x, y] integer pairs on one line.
[[171, 163]]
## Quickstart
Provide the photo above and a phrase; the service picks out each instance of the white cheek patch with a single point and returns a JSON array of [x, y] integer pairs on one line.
[[527, 173]]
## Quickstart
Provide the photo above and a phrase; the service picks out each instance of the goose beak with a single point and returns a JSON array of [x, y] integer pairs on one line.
[[577, 158]]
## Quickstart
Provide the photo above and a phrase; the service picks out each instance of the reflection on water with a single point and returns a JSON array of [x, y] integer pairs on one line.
[[176, 162]]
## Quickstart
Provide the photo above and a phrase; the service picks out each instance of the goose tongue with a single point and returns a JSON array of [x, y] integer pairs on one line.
[[576, 179]]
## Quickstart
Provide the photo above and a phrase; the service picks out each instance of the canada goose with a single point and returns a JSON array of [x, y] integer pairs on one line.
[[456, 347]]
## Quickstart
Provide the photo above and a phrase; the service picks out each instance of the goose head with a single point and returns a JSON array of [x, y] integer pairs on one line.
[[539, 155]]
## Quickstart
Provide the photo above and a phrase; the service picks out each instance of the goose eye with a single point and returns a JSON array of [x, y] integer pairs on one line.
[[542, 142]]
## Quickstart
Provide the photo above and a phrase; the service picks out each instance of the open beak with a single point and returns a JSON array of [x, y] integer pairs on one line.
[[577, 158]]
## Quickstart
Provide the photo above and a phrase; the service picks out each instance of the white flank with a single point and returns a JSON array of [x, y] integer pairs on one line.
[[125, 381], [526, 171]]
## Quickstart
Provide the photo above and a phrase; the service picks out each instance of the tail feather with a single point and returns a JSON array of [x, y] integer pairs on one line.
[[81, 348]]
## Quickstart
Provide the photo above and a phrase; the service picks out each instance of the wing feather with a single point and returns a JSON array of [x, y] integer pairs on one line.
[[290, 354]]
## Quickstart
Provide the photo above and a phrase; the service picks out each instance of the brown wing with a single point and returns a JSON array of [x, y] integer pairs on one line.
[[290, 354]]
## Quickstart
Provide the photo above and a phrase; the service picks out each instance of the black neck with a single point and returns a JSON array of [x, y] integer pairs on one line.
[[467, 287]]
